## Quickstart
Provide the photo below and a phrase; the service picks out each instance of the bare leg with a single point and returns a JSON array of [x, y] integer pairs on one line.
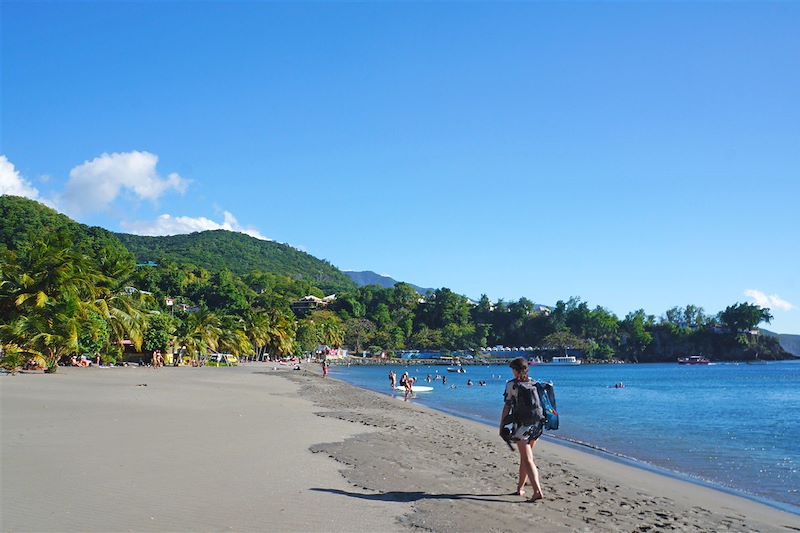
[[529, 468], [523, 476]]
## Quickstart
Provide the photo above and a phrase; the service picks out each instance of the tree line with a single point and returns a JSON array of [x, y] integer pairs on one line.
[[58, 299]]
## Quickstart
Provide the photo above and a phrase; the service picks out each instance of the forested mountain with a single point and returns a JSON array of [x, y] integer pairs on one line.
[[70, 289], [790, 343], [367, 277], [239, 253], [210, 250], [22, 220]]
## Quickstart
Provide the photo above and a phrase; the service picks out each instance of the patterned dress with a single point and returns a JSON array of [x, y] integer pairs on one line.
[[518, 433]]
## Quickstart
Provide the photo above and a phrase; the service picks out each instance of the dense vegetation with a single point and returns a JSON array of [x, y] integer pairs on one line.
[[239, 253], [23, 220], [67, 289], [56, 301], [395, 319]]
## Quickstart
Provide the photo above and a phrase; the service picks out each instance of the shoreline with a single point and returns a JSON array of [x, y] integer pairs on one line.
[[589, 447], [609, 455], [633, 462], [663, 487], [368, 361], [251, 448]]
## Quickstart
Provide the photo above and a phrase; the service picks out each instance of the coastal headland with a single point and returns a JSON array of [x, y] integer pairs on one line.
[[259, 447]]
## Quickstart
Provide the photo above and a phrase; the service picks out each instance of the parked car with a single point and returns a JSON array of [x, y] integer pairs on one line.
[[222, 359]]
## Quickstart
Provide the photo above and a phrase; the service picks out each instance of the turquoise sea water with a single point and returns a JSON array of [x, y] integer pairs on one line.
[[735, 426]]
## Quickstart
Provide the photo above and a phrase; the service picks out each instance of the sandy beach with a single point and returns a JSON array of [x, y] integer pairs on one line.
[[257, 449]]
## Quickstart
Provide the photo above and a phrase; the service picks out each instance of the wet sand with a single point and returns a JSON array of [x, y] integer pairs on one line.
[[256, 449]]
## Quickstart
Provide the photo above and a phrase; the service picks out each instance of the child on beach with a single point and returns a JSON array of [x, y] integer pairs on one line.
[[524, 436], [392, 379]]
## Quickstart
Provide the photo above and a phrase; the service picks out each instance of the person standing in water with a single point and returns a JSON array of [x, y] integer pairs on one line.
[[392, 379], [524, 436]]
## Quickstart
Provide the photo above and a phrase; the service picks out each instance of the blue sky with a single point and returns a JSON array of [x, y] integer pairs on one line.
[[638, 155]]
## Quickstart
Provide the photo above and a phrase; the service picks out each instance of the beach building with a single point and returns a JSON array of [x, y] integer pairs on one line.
[[330, 353]]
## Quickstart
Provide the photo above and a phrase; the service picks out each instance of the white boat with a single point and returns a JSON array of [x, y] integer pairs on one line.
[[693, 360], [414, 388], [565, 360]]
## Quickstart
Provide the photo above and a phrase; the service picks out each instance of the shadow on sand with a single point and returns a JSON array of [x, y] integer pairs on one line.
[[414, 496]]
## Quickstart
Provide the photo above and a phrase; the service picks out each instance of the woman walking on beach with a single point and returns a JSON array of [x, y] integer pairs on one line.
[[522, 433], [324, 368]]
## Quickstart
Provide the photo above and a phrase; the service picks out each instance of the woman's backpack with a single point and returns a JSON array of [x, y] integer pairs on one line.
[[527, 409], [535, 404]]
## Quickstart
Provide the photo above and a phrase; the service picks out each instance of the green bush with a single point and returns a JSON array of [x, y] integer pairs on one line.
[[12, 361]]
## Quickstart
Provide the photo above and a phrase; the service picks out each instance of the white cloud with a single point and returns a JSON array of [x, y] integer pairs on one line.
[[169, 225], [12, 183], [95, 184], [772, 302]]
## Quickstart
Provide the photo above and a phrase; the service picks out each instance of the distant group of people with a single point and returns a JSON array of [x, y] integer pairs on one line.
[[406, 382], [406, 379], [81, 362]]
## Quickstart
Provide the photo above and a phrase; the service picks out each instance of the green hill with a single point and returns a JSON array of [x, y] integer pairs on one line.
[[239, 253], [22, 219]]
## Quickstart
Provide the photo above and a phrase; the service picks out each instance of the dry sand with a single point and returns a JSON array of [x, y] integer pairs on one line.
[[254, 449], [197, 449]]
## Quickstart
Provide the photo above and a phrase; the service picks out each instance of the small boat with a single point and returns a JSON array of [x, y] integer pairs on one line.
[[693, 360], [565, 360], [457, 369]]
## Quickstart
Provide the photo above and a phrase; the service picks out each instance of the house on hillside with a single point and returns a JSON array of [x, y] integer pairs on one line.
[[309, 303]]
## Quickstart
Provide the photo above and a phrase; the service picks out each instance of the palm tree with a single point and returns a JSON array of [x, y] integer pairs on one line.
[[51, 334], [46, 292], [232, 337], [122, 306], [256, 327], [282, 329], [125, 314], [201, 332]]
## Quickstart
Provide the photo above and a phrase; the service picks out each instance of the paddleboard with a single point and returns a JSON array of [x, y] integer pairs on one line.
[[415, 388]]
